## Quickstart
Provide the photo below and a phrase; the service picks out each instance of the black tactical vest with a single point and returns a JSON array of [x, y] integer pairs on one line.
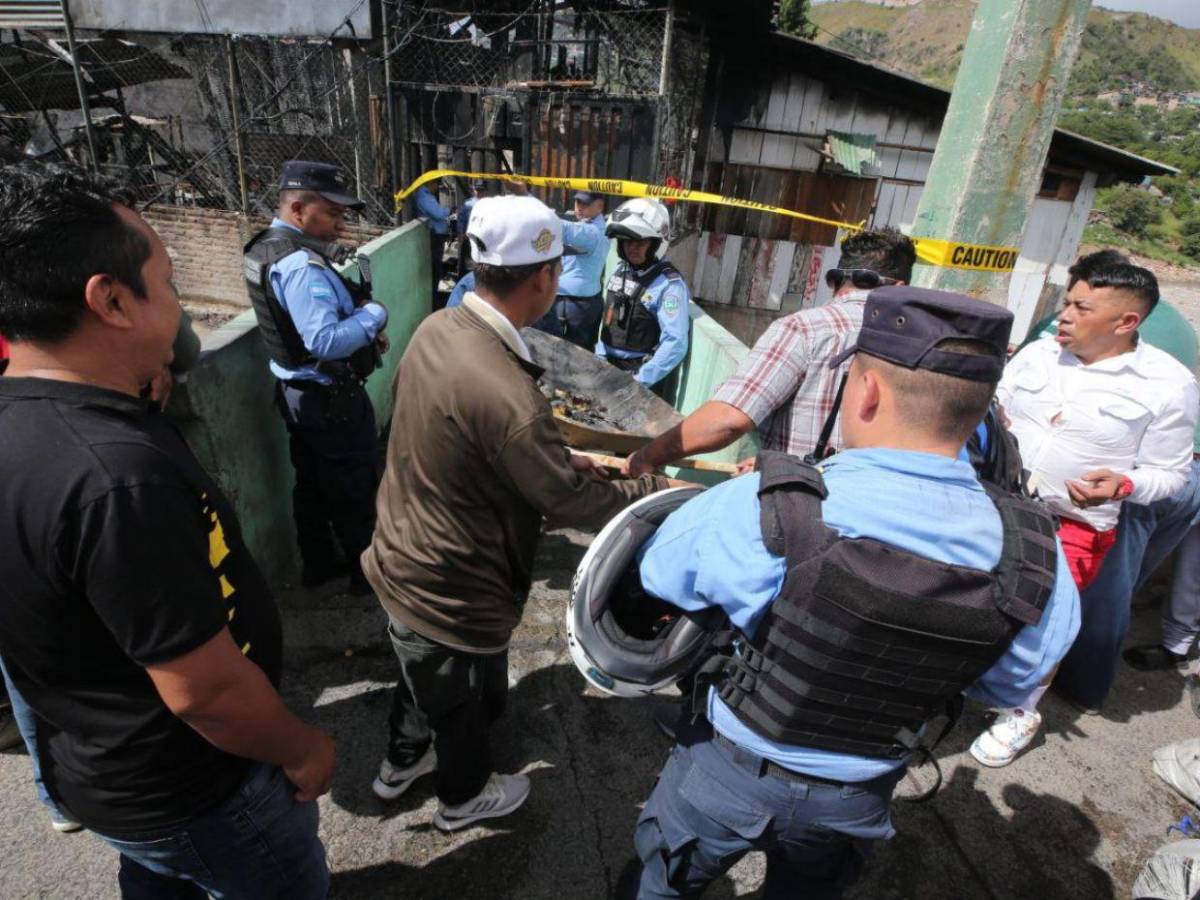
[[279, 333], [866, 642], [628, 325]]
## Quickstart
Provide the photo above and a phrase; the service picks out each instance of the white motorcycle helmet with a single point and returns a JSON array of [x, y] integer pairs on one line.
[[639, 219], [624, 641]]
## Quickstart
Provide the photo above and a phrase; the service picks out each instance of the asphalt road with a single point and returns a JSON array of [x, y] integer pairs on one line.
[[1075, 818]]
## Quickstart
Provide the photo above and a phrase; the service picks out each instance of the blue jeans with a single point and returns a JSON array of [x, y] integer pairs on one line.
[[713, 804], [259, 844], [1146, 535], [27, 725]]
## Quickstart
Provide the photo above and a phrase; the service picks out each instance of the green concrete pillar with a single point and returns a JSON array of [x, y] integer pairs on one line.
[[993, 144]]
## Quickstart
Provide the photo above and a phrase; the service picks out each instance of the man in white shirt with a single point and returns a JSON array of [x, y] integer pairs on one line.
[[1101, 418]]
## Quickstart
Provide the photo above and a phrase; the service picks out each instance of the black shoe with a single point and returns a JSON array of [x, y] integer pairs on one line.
[[1153, 658], [317, 575]]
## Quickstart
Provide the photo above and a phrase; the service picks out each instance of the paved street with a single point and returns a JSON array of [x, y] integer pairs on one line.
[[1074, 819]]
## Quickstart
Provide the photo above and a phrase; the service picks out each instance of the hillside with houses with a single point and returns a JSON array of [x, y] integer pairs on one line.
[[1136, 85]]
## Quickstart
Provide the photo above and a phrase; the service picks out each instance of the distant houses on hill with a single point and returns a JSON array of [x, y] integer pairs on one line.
[[1139, 95]]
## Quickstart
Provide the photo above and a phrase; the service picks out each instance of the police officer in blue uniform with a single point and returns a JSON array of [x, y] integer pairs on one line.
[[857, 621], [645, 324], [579, 305], [323, 335]]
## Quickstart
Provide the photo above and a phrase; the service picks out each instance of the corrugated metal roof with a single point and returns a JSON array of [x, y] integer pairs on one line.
[[31, 14], [34, 76], [834, 67], [853, 152]]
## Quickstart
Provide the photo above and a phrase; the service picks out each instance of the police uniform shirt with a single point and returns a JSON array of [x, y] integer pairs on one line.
[[582, 273], [120, 552], [322, 309], [667, 297], [710, 552]]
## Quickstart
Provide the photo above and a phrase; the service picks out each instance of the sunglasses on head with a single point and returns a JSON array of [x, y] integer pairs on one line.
[[863, 279]]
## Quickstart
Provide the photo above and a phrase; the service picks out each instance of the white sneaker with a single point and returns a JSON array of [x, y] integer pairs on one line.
[[500, 796], [1008, 736], [392, 782]]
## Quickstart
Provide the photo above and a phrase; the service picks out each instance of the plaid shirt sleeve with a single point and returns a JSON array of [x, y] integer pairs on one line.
[[772, 373]]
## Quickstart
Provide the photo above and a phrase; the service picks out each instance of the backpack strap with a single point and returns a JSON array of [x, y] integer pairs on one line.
[[1029, 559]]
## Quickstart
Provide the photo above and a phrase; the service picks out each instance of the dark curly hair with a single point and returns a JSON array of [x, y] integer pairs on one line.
[[58, 228], [882, 250]]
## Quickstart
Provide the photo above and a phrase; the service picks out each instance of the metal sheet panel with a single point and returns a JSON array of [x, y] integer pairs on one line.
[[31, 14], [340, 18]]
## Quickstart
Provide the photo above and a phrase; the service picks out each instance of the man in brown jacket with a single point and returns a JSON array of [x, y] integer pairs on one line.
[[475, 463]]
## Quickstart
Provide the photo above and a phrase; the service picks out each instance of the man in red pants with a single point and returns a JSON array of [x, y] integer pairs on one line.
[[1101, 418]]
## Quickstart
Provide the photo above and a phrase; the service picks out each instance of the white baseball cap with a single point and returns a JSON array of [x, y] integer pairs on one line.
[[515, 231]]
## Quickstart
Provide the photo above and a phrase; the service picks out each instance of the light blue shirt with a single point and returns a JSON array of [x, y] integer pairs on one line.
[[427, 206], [710, 552], [322, 310], [582, 273], [667, 297], [466, 283]]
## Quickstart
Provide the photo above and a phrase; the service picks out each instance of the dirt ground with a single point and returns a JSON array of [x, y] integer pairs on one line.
[[1074, 818]]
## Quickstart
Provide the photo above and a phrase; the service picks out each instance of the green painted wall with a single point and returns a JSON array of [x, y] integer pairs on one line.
[[227, 413]]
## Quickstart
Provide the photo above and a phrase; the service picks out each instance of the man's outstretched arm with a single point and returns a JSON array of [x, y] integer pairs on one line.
[[711, 427]]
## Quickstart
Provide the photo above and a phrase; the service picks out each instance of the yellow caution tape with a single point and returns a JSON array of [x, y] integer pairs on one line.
[[929, 250], [624, 189], [952, 255]]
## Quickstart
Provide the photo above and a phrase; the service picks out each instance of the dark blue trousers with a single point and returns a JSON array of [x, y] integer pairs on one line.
[[1146, 535], [714, 804], [333, 446], [575, 318]]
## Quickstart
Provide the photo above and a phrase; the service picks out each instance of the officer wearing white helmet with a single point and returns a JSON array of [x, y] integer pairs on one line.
[[645, 325]]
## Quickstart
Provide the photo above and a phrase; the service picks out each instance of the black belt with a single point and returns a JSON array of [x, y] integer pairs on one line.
[[562, 298], [766, 767]]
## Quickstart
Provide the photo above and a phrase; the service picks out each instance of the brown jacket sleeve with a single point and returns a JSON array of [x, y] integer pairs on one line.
[[537, 462]]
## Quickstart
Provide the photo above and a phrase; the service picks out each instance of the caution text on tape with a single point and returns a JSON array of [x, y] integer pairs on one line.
[[929, 250]]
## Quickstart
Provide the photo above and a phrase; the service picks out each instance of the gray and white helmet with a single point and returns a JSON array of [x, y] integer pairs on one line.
[[623, 640], [641, 218]]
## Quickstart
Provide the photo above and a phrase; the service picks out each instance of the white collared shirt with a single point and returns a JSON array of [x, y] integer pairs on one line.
[[499, 322], [1134, 414]]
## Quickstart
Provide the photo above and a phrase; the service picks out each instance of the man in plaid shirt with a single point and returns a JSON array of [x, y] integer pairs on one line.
[[785, 387]]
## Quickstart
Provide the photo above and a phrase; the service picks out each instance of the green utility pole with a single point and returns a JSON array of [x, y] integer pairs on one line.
[[993, 144]]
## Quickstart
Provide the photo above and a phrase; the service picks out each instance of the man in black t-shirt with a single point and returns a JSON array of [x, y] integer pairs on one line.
[[132, 618]]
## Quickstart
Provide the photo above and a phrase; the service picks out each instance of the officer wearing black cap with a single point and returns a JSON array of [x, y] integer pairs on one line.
[[865, 595], [579, 306], [323, 336]]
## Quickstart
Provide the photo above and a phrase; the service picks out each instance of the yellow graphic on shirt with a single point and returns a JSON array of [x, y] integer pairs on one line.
[[218, 551]]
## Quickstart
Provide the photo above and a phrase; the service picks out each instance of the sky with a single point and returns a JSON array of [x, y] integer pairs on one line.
[[1185, 12]]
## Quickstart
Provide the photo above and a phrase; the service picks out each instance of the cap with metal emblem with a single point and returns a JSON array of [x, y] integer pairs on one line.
[[904, 325], [320, 178], [515, 231]]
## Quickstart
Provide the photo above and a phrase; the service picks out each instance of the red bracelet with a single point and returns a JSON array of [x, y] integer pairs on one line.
[[1125, 489]]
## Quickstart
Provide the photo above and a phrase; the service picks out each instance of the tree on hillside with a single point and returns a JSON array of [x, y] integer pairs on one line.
[[1189, 243], [793, 18], [1131, 210]]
